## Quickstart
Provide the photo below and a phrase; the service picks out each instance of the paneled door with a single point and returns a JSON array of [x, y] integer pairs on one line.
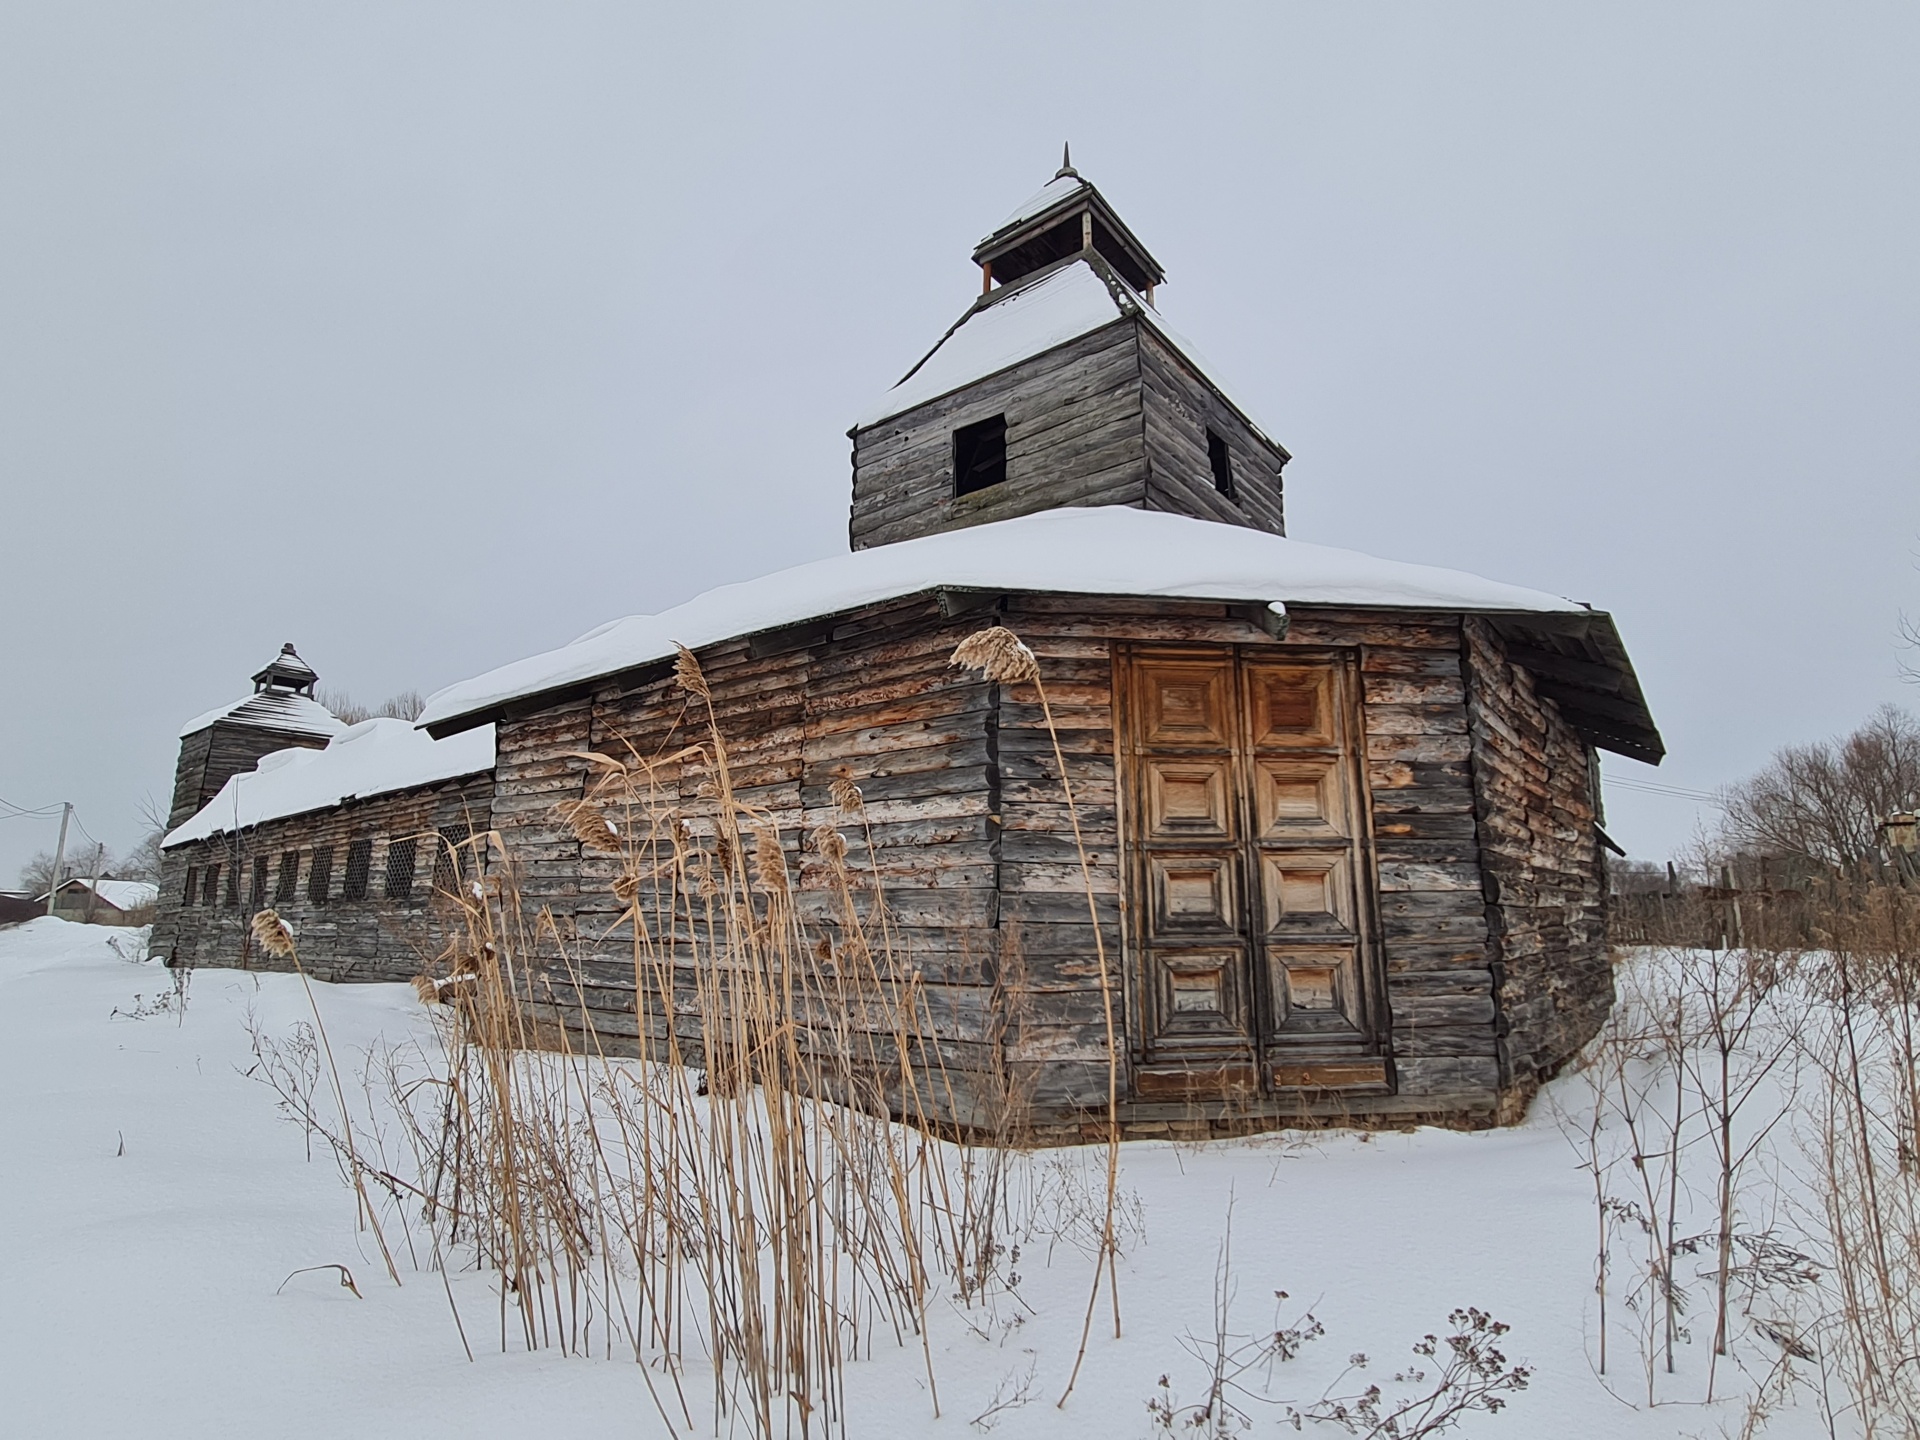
[[1247, 860]]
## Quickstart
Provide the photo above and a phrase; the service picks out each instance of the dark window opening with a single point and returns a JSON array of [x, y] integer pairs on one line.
[[258, 897], [979, 455], [320, 874], [210, 891], [359, 867], [400, 857], [447, 861], [191, 893], [289, 886], [233, 884], [1222, 463]]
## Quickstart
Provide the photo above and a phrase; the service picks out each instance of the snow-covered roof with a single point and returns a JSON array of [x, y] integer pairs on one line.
[[271, 710], [121, 894], [372, 758], [1045, 198], [1026, 319], [1105, 550]]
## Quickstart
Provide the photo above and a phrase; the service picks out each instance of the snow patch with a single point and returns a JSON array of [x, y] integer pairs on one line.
[[372, 758]]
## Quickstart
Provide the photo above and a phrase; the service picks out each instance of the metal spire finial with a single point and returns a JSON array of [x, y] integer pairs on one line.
[[1066, 169]]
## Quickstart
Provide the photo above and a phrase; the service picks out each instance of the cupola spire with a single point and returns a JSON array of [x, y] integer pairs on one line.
[[1066, 217], [286, 674]]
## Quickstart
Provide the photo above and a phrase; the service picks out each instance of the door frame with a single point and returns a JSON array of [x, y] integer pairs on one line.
[[1308, 1063]]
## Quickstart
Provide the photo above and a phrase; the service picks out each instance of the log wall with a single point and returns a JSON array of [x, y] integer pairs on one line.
[[211, 757], [1113, 418], [205, 921], [972, 841], [1544, 873]]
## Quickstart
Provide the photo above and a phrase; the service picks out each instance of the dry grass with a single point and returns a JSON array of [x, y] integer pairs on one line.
[[790, 1170]]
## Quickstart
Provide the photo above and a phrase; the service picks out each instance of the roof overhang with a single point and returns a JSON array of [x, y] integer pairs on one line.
[[1576, 659]]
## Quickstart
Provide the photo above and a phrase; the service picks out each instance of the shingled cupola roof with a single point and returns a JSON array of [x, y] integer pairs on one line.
[[1065, 217], [286, 671]]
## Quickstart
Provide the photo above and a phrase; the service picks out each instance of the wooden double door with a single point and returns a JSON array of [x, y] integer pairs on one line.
[[1250, 873]]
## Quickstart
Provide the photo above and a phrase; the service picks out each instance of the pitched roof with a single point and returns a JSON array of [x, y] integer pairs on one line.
[[1106, 550], [271, 710], [120, 894], [375, 757], [1012, 325]]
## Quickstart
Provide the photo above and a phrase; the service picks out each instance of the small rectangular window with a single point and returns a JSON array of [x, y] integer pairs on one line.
[[1222, 463], [289, 887], [359, 867], [979, 455], [192, 892], [233, 884], [210, 891], [320, 874], [447, 861], [257, 897], [400, 856]]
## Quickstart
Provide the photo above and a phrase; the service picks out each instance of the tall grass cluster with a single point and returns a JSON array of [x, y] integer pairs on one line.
[[786, 1174]]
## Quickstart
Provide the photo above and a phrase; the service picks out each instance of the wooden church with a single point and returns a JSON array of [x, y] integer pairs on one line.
[[1342, 813]]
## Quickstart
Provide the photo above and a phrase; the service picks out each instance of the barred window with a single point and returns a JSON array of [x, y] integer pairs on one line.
[[233, 883], [192, 892], [257, 897], [289, 887], [359, 866], [320, 874], [400, 858], [448, 862], [210, 891]]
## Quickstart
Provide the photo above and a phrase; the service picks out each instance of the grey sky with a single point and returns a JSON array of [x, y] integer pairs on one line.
[[430, 336]]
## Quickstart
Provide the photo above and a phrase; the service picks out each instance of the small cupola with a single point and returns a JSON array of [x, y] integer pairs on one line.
[[286, 674], [1067, 217]]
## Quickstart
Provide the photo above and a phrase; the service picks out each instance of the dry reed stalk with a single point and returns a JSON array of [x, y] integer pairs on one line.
[[277, 940], [790, 1168], [1002, 657]]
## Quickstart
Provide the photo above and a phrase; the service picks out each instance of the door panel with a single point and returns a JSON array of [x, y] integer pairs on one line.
[[1294, 706], [1201, 1001], [1300, 799], [1246, 855], [1184, 703], [1194, 893], [1190, 799], [1308, 894]]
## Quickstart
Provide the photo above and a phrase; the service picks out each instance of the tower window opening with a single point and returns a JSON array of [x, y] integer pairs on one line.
[[979, 455], [257, 895], [210, 886], [1222, 464], [192, 892], [286, 891]]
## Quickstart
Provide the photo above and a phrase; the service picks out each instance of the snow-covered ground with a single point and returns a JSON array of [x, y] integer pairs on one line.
[[155, 1203]]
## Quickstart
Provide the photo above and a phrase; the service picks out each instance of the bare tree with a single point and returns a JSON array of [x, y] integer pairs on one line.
[[1824, 802], [407, 705]]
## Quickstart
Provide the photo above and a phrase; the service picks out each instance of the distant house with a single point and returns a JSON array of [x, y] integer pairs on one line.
[[105, 901], [18, 905]]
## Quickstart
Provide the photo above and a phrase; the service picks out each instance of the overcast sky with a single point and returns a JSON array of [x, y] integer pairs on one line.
[[429, 336]]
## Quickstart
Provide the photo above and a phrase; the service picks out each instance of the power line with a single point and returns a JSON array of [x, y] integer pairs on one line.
[[1672, 792]]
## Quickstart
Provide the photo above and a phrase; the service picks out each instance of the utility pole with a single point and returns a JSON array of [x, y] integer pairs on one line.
[[59, 855]]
